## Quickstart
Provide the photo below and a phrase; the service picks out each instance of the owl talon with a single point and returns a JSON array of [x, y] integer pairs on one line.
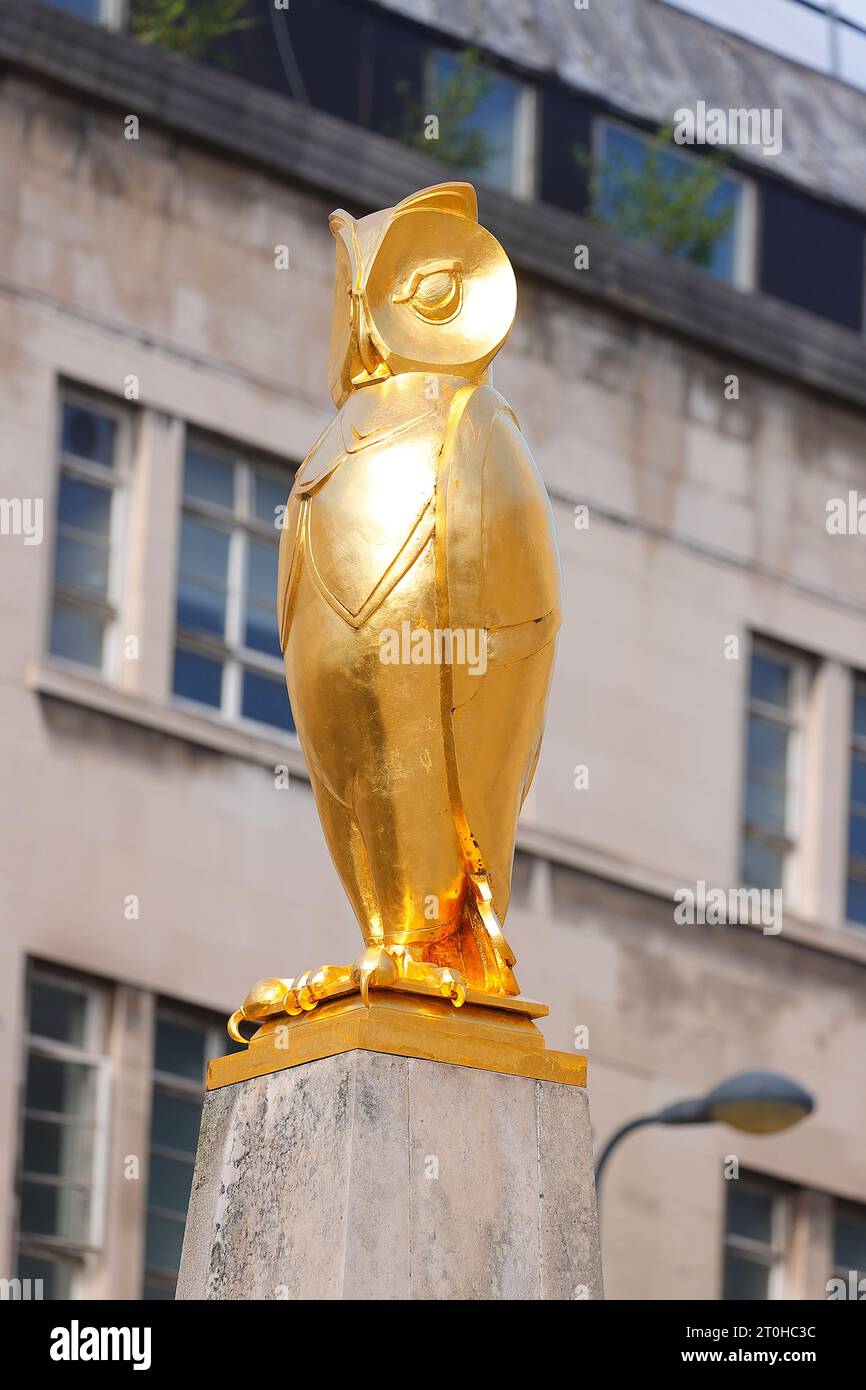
[[454, 988], [374, 967], [449, 983]]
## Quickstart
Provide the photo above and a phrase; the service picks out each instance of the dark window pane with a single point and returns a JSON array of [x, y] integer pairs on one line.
[[76, 636], [201, 608], [795, 226], [179, 1049], [58, 1150], [849, 1239], [87, 434], [765, 805], [87, 9], [63, 1088], [56, 1275], [624, 159], [749, 1213], [82, 566], [197, 678], [768, 747], [170, 1182], [858, 780], [855, 909], [762, 864], [857, 836], [84, 506], [860, 713], [208, 479], [265, 700], [745, 1279], [57, 1012], [47, 1210], [271, 495], [164, 1243], [174, 1122], [493, 118], [204, 551], [262, 571], [260, 628], [770, 680]]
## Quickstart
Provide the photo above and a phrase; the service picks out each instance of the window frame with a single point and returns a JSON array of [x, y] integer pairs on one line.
[[115, 481], [842, 1206], [794, 721], [111, 14], [855, 868], [95, 1055], [186, 1089], [745, 259], [524, 154], [774, 1257], [241, 526]]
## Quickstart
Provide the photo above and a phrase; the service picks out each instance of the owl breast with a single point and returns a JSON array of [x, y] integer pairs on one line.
[[372, 485]]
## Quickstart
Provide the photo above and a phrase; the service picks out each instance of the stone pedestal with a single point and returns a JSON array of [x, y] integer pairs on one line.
[[373, 1175]]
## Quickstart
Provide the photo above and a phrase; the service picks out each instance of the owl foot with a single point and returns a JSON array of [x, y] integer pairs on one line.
[[448, 982], [274, 997], [380, 967], [385, 966]]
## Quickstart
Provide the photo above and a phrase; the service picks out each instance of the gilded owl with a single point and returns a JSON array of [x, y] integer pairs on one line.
[[419, 600]]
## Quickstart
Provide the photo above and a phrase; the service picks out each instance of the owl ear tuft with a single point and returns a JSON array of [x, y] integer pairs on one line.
[[444, 197], [339, 218]]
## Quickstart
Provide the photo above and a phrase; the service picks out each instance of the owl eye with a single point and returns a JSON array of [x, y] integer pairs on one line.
[[434, 293]]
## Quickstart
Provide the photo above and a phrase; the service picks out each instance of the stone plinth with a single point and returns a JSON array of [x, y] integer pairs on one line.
[[364, 1175]]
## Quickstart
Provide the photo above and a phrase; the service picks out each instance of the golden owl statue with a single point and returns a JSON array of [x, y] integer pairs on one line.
[[418, 607]]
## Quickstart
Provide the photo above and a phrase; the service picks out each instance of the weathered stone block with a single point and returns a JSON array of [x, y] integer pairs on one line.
[[367, 1176]]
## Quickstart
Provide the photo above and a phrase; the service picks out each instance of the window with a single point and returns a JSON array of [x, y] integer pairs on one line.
[[849, 1244], [777, 693], [502, 118], [63, 1130], [621, 157], [227, 655], [757, 1223], [108, 12], [85, 598], [856, 895], [183, 1043]]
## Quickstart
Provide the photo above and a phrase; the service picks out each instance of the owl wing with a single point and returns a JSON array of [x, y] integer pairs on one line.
[[497, 560], [495, 535], [320, 462], [291, 546]]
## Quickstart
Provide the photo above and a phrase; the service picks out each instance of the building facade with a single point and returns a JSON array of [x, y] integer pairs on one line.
[[166, 298]]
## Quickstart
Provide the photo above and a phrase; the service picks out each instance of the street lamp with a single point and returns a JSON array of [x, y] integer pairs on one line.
[[758, 1102]]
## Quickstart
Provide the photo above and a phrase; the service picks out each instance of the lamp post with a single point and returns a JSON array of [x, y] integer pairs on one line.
[[758, 1102]]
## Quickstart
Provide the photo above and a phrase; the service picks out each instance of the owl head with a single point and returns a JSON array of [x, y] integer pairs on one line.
[[418, 287]]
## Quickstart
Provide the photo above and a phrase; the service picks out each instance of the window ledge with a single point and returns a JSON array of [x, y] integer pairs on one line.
[[62, 683], [830, 938]]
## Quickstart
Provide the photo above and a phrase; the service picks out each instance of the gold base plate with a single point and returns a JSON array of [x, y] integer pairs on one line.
[[489, 1033]]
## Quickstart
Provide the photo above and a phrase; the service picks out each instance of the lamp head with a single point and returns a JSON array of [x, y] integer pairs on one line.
[[756, 1102]]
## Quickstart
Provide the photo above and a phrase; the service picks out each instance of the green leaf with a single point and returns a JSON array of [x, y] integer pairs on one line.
[[453, 101], [187, 27], [650, 205]]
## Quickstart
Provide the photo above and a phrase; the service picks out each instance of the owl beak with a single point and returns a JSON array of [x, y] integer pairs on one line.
[[360, 357]]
